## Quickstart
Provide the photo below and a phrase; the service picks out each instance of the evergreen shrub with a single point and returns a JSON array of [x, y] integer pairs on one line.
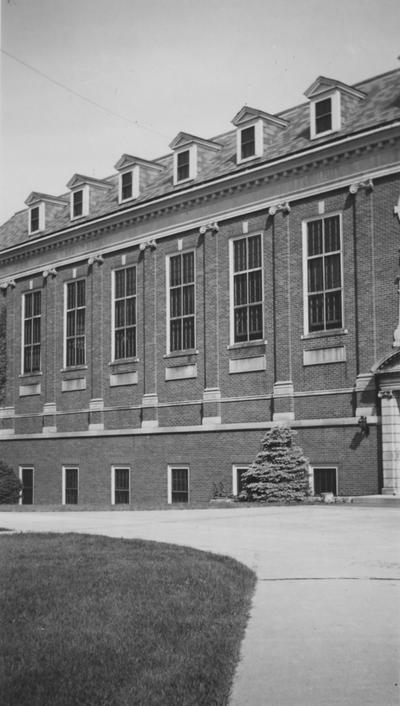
[[10, 485], [279, 473]]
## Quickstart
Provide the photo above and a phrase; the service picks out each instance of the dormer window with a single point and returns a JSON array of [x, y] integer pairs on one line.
[[255, 129], [247, 142], [325, 115], [86, 193], [126, 186], [183, 165], [135, 174], [77, 203], [328, 112], [34, 220], [129, 184], [189, 152], [42, 206]]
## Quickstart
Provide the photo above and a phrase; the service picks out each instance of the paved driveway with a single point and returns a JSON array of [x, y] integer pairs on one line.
[[325, 623]]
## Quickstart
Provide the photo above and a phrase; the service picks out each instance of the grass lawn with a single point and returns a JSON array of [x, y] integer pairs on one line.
[[111, 622]]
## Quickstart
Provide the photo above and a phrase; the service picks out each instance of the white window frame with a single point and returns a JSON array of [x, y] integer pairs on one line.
[[114, 468], [192, 149], [71, 367], [117, 269], [41, 207], [85, 201], [317, 466], [20, 470], [31, 291], [64, 478], [135, 184], [168, 308], [304, 225], [336, 117], [181, 466], [258, 140], [235, 468], [231, 289]]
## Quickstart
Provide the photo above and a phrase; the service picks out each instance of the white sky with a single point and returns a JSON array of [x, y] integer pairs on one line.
[[168, 65]]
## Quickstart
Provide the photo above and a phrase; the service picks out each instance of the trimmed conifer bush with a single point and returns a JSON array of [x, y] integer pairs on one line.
[[279, 472], [10, 485]]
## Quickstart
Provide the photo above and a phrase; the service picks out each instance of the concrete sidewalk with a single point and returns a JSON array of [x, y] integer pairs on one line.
[[324, 627]]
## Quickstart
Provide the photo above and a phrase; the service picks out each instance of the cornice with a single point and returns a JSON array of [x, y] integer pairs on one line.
[[230, 184]]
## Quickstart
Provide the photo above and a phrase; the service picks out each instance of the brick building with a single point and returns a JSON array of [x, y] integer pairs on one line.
[[159, 320]]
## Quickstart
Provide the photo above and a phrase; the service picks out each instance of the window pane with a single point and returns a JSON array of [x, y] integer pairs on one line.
[[188, 267], [316, 312], [35, 219], [314, 240], [130, 343], [120, 313], [119, 284], [71, 295], [175, 271], [332, 272], [241, 324], [36, 330], [239, 252], [188, 332], [80, 351], [333, 310], [255, 286], [131, 311], [240, 289], [180, 485], [28, 305], [126, 185], [323, 115], [255, 322], [175, 302], [130, 281], [28, 359], [248, 142], [80, 297], [71, 323], [80, 321], [175, 335], [77, 203], [332, 234], [183, 171], [70, 352], [315, 275], [188, 299], [37, 303], [35, 358], [254, 252], [28, 332], [119, 344]]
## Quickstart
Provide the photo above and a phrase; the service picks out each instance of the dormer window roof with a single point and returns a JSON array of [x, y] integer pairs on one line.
[[81, 187], [327, 96], [37, 203], [186, 149], [251, 125], [130, 169]]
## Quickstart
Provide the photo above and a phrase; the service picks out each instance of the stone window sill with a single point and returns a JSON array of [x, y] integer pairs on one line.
[[324, 334]]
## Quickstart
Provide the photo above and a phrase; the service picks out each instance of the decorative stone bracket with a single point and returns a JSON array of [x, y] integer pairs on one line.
[[368, 185], [283, 206], [213, 227]]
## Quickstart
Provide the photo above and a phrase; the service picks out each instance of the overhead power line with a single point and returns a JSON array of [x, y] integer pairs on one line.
[[138, 124]]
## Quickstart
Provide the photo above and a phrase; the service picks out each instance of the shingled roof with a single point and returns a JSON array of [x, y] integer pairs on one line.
[[380, 107]]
